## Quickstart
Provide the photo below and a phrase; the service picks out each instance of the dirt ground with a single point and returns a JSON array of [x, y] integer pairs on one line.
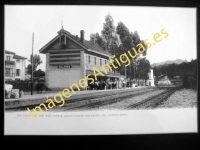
[[183, 98]]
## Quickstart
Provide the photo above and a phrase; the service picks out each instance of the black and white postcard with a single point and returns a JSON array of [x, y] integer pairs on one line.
[[99, 70]]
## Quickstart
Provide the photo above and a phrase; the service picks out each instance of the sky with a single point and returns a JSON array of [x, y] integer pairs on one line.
[[45, 21]]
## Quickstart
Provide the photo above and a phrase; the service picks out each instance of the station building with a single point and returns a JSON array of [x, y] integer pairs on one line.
[[70, 58]]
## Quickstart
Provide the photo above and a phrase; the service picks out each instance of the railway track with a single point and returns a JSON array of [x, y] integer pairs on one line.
[[112, 99], [90, 100], [155, 100]]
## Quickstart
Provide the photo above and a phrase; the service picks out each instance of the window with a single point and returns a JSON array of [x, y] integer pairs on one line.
[[7, 70], [100, 62], [105, 61], [95, 60], [8, 58], [18, 60], [89, 59], [17, 72]]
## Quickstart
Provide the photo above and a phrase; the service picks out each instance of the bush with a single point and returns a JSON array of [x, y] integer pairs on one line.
[[23, 85], [189, 82], [40, 87]]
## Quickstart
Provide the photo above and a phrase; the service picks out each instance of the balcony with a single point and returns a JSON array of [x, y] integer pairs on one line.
[[9, 74], [9, 63]]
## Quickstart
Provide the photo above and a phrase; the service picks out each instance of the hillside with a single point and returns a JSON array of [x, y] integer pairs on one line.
[[177, 61]]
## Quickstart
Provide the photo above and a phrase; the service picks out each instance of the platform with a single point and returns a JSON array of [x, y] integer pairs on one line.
[[41, 98]]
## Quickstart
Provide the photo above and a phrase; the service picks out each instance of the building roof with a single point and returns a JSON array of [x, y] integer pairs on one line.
[[18, 57], [90, 45], [87, 45], [163, 78], [9, 52], [15, 56], [110, 74]]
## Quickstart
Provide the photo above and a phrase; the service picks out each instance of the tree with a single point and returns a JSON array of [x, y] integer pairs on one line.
[[156, 71], [106, 38], [125, 37], [36, 61], [127, 44], [97, 39], [109, 35], [108, 29], [129, 41], [136, 40], [117, 40], [38, 73], [135, 64], [143, 69]]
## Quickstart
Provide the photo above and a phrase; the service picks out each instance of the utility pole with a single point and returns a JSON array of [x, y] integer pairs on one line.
[[125, 76], [125, 71], [114, 52], [32, 66]]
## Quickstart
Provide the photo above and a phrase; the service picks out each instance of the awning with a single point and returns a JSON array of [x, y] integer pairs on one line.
[[110, 74]]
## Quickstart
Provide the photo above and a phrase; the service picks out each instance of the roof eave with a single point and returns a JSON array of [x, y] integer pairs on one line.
[[42, 50], [9, 52], [100, 53], [79, 43], [19, 57]]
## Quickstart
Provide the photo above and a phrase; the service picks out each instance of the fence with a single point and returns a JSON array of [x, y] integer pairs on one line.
[[26, 85]]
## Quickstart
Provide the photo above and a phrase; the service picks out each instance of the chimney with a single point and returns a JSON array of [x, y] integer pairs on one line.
[[76, 36], [82, 36]]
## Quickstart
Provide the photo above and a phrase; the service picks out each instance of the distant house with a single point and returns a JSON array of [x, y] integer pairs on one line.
[[14, 66], [177, 80], [164, 81]]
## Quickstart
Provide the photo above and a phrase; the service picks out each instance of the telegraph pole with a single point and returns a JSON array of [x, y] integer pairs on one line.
[[125, 71], [32, 66], [114, 54]]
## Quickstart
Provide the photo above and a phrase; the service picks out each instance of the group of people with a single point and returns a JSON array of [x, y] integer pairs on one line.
[[103, 85]]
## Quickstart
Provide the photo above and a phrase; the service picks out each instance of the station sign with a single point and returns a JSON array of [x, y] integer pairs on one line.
[[64, 66]]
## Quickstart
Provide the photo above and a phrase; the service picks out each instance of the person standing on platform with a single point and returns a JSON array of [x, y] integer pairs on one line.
[[124, 83], [97, 85], [103, 85]]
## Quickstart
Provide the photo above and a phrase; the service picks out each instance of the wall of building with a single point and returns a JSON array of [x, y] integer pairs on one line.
[[11, 57], [91, 64], [18, 65], [164, 82], [21, 65], [60, 78], [12, 68], [150, 81]]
